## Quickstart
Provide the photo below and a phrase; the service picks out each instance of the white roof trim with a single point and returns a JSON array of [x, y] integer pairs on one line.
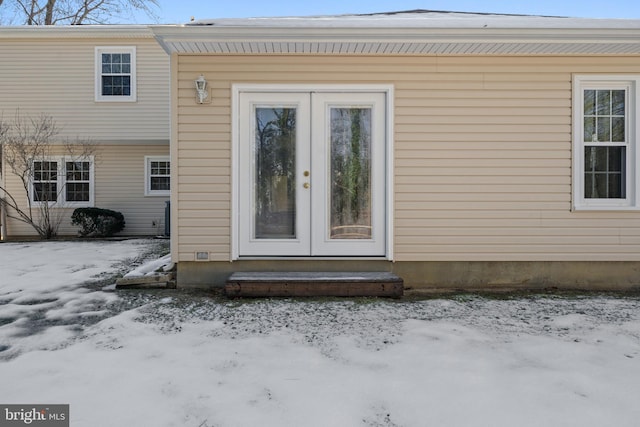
[[395, 41], [76, 31], [416, 32]]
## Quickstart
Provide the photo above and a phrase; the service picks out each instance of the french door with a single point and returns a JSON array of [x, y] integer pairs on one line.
[[311, 174]]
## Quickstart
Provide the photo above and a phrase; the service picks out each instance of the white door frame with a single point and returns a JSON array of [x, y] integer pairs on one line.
[[321, 243], [301, 244], [237, 89]]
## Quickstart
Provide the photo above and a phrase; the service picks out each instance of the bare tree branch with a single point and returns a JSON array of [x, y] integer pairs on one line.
[[89, 7], [24, 142], [28, 9], [78, 12]]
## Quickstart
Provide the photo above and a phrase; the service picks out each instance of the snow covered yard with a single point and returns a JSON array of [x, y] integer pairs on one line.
[[177, 358]]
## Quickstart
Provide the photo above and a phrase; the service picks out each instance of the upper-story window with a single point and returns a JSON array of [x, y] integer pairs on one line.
[[116, 73]]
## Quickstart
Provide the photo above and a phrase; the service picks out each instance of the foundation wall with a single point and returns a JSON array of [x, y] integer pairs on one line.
[[439, 276]]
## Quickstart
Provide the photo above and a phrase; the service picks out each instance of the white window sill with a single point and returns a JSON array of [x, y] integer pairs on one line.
[[605, 208], [116, 99]]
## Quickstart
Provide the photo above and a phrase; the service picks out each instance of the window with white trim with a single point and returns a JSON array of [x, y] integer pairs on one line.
[[116, 73], [63, 182], [157, 176], [605, 150], [78, 181], [45, 181]]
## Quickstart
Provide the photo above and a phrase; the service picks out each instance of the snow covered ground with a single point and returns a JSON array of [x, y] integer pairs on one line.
[[177, 358]]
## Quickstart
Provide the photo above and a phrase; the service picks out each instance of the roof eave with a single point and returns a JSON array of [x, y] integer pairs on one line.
[[236, 40], [76, 31]]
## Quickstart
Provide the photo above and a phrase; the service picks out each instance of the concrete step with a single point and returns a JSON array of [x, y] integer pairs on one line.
[[313, 284], [159, 280]]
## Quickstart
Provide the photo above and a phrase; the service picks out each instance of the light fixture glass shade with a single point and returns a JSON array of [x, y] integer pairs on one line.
[[201, 89]]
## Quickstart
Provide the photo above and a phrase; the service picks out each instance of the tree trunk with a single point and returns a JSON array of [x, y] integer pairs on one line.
[[48, 19]]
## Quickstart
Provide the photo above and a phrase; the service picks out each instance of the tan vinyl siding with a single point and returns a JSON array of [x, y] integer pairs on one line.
[[119, 185], [482, 148], [57, 77]]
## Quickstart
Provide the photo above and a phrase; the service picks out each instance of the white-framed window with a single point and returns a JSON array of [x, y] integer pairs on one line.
[[157, 176], [63, 182], [45, 181], [605, 142], [115, 73]]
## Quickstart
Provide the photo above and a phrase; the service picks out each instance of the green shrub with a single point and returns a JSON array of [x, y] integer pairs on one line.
[[96, 222]]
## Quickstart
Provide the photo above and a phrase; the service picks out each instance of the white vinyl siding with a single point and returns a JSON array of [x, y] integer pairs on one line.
[[66, 91], [123, 132], [605, 142], [119, 186]]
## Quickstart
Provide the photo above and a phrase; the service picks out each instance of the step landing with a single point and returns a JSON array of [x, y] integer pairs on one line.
[[314, 284]]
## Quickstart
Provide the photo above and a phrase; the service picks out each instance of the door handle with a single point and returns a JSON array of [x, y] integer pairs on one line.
[[306, 185]]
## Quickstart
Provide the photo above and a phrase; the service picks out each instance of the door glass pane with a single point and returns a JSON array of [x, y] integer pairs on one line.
[[350, 179], [275, 173]]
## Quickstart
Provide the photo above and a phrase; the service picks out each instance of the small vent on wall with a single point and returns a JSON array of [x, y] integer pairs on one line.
[[202, 256]]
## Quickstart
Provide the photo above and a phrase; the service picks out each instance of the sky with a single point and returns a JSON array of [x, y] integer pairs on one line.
[[176, 12]]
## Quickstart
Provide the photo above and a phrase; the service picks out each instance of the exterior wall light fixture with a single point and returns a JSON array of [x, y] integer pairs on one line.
[[201, 90]]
